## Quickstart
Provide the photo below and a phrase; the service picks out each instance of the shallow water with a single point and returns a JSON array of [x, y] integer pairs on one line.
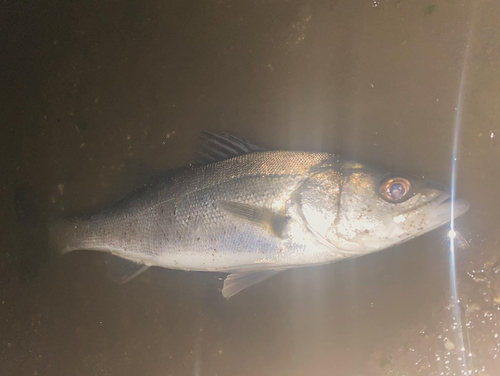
[[99, 97]]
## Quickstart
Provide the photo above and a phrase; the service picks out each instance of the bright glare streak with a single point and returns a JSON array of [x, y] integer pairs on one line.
[[452, 234]]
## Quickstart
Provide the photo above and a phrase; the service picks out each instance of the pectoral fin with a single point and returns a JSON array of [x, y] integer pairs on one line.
[[121, 270], [265, 218], [236, 282]]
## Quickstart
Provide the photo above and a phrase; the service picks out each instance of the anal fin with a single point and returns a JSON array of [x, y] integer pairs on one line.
[[235, 282], [121, 270]]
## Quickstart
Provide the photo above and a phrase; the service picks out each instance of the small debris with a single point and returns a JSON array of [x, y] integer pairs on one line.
[[449, 345], [60, 188], [429, 9], [474, 307]]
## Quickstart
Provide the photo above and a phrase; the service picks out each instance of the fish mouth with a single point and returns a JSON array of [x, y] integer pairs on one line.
[[440, 213], [447, 209]]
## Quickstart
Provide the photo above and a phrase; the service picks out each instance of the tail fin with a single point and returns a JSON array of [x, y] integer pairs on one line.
[[63, 235], [42, 239], [70, 235], [27, 206], [32, 252]]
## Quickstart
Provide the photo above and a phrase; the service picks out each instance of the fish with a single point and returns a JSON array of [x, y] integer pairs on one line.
[[251, 213]]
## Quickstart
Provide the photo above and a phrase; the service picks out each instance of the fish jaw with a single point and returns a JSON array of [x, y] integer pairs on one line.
[[406, 226], [439, 215]]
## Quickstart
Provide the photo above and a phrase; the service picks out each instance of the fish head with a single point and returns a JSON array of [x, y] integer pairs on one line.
[[359, 209]]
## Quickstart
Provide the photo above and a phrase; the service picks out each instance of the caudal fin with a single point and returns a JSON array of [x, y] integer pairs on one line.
[[70, 235], [30, 229], [63, 235], [32, 217]]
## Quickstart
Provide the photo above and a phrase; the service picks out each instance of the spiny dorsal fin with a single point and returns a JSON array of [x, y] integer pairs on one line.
[[220, 146]]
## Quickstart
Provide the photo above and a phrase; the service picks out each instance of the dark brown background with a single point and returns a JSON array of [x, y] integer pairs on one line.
[[98, 96]]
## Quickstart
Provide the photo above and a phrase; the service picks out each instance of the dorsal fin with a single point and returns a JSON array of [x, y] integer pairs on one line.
[[220, 146]]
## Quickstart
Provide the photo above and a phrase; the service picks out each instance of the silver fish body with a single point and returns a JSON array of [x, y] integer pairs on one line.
[[257, 212], [179, 222]]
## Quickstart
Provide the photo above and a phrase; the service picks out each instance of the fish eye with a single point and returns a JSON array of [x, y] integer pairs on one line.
[[395, 189]]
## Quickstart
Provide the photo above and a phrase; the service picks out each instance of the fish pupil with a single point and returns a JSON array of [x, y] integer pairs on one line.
[[397, 191]]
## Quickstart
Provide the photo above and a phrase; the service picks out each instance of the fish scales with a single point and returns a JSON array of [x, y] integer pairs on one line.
[[179, 215]]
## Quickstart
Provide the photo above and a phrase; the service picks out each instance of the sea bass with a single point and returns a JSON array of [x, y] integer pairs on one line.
[[251, 213]]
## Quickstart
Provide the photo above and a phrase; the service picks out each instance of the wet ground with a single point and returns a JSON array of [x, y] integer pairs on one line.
[[98, 97]]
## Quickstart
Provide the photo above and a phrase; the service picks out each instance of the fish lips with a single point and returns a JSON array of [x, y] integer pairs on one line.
[[443, 212], [448, 209]]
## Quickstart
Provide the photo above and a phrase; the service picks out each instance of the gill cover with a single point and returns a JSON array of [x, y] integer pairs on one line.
[[319, 203]]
